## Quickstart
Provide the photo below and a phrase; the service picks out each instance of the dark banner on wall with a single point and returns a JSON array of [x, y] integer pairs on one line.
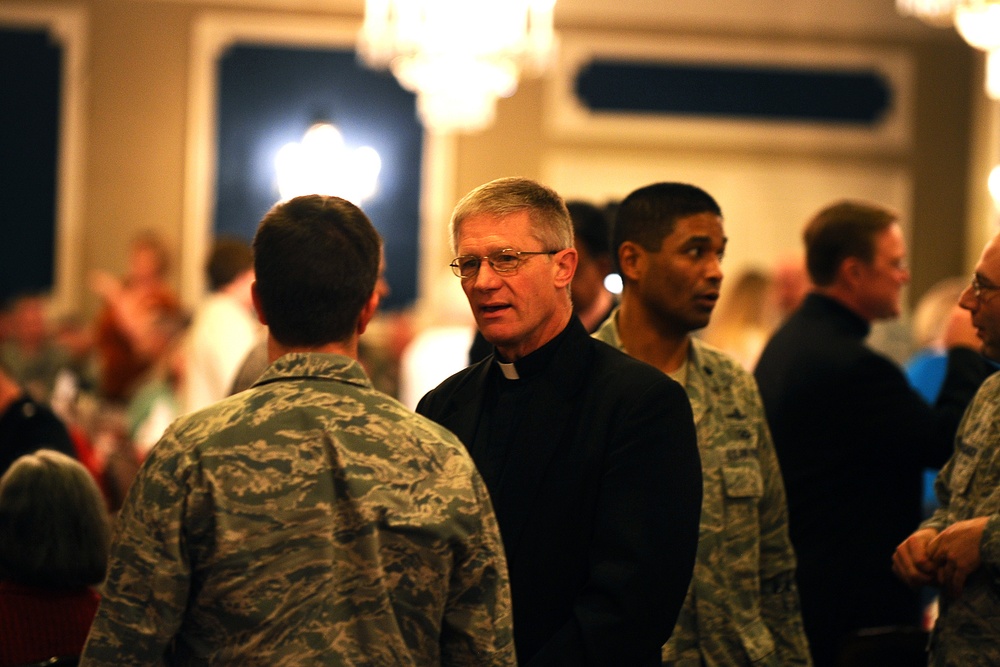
[[30, 79]]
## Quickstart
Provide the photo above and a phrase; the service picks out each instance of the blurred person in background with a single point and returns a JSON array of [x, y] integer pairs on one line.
[[27, 425], [54, 537], [791, 283], [852, 436], [131, 305], [223, 328], [931, 318], [745, 317], [157, 399], [936, 312], [31, 355]]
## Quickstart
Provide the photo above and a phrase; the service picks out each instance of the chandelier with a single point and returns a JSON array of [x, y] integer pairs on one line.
[[458, 56], [977, 21], [322, 164]]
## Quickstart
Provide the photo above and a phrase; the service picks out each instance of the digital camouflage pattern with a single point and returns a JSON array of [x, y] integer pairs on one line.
[[967, 633], [309, 520], [742, 607]]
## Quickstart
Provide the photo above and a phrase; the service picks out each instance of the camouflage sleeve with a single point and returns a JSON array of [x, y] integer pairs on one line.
[[989, 548], [780, 607], [477, 628], [148, 578]]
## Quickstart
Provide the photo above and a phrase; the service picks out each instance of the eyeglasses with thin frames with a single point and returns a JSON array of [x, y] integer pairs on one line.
[[978, 288], [507, 260]]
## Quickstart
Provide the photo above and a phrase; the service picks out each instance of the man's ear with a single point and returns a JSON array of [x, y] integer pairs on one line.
[[631, 260], [368, 311], [256, 303], [565, 261], [851, 272]]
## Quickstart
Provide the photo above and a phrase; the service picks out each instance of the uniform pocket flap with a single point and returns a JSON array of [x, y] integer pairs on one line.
[[743, 479]]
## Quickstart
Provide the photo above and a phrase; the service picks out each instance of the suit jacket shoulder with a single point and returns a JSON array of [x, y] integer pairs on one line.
[[599, 508]]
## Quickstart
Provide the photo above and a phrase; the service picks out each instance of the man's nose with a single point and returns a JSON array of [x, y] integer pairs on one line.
[[714, 269], [968, 299], [487, 277]]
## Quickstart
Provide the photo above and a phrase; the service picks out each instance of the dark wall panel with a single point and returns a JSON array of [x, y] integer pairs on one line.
[[30, 80], [270, 96]]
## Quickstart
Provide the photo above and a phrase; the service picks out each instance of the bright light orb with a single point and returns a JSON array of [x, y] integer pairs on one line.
[[993, 183], [613, 283], [322, 164]]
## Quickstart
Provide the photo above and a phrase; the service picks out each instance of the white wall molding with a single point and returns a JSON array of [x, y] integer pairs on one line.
[[68, 26]]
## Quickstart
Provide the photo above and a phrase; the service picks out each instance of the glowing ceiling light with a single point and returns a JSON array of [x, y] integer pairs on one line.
[[458, 56], [322, 164], [977, 21]]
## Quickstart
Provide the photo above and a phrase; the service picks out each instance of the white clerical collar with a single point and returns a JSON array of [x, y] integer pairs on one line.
[[509, 370]]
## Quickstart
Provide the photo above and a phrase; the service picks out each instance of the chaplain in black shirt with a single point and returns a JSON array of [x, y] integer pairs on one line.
[[590, 456]]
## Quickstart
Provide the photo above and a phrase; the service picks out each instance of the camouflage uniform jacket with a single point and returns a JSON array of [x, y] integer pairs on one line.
[[967, 632], [309, 520], [742, 607]]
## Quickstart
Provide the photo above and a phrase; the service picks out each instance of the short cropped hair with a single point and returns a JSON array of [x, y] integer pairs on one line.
[[648, 215], [54, 528], [230, 258], [550, 220], [843, 229], [590, 228], [316, 260]]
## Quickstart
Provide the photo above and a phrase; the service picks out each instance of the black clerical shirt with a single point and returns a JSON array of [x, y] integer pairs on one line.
[[498, 437]]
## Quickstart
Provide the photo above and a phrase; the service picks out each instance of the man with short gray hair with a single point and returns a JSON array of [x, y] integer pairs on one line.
[[590, 456]]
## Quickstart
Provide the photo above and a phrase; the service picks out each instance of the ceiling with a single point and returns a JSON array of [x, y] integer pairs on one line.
[[802, 18]]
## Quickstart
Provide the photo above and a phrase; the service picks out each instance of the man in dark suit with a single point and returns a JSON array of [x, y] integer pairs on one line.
[[852, 437], [590, 457]]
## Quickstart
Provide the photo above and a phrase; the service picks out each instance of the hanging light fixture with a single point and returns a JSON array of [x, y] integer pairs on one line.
[[977, 21], [934, 12], [322, 164], [458, 56]]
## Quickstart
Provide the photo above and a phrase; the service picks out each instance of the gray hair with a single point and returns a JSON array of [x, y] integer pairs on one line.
[[550, 220]]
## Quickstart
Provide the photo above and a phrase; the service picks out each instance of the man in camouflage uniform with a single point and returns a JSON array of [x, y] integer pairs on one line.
[[309, 520], [958, 548], [742, 606]]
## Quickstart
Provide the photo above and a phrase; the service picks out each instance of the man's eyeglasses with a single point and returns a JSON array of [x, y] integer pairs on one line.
[[501, 261], [978, 288]]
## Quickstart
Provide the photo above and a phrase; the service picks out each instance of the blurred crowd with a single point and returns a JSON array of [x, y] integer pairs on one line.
[[115, 382], [83, 401]]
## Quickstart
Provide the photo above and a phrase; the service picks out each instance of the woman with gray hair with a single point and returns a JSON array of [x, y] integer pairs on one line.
[[54, 537]]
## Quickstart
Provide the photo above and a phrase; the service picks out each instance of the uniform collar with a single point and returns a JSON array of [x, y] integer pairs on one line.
[[315, 365]]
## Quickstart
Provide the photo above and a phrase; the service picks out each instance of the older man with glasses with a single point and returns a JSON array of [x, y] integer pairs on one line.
[[958, 548], [590, 457]]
